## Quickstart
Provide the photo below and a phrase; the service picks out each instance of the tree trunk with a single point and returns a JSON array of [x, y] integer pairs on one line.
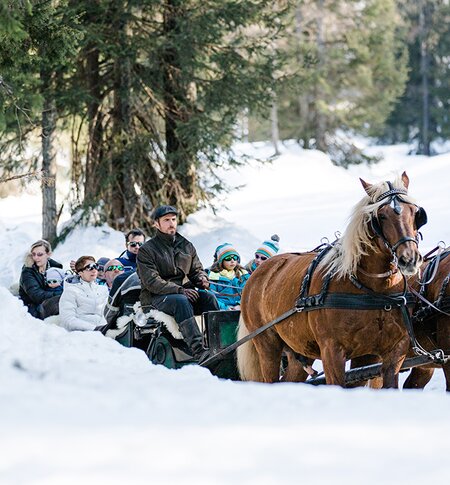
[[95, 124], [49, 213], [182, 177], [274, 124], [424, 142], [124, 200], [320, 125]]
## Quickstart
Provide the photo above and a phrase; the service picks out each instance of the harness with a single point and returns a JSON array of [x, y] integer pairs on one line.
[[369, 301], [441, 305]]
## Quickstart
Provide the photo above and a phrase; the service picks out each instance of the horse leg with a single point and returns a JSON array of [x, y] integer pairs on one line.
[[376, 382], [269, 347], [446, 369], [294, 371], [418, 378], [333, 359], [391, 364]]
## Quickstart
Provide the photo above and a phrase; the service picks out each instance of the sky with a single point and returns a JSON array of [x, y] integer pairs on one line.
[[78, 407]]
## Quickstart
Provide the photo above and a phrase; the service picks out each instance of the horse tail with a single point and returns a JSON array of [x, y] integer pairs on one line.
[[247, 357]]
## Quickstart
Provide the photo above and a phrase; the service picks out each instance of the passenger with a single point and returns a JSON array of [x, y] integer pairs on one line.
[[170, 271], [263, 253], [125, 290], [113, 268], [82, 302], [55, 275], [101, 279], [227, 277], [134, 239], [40, 296]]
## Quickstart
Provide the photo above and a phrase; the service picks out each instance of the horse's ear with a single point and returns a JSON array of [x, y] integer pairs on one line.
[[366, 186], [405, 180]]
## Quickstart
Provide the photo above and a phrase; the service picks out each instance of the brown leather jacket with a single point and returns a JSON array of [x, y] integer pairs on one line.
[[165, 263]]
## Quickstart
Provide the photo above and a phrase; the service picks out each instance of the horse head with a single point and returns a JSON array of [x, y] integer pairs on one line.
[[395, 221]]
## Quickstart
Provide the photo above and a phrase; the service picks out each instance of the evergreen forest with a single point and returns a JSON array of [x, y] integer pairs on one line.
[[149, 96]]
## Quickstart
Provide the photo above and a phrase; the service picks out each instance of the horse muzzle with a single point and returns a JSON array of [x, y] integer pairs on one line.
[[409, 261]]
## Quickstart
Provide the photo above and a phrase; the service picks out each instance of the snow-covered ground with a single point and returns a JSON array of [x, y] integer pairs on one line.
[[77, 407]]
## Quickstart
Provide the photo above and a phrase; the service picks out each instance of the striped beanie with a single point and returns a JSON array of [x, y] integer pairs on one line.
[[225, 250], [269, 248]]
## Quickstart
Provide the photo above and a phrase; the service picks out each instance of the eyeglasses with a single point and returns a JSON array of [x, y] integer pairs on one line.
[[134, 244], [51, 282], [39, 255], [100, 267], [115, 267], [90, 267], [262, 258], [231, 258]]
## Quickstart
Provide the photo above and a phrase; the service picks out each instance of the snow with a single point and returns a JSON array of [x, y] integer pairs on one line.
[[78, 407]]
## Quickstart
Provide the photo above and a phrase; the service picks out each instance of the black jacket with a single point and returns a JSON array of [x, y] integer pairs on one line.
[[165, 263], [32, 287]]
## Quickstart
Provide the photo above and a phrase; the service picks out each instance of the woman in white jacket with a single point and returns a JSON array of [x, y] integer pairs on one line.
[[82, 301]]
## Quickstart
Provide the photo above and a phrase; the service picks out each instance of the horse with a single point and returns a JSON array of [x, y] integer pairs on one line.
[[432, 327], [372, 259]]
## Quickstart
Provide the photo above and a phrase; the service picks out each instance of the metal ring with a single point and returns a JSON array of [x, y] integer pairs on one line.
[[387, 308]]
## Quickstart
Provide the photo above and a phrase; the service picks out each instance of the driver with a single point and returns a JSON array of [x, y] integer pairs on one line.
[[173, 280]]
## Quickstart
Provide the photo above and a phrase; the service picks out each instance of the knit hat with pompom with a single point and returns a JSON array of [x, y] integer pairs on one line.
[[269, 248], [225, 250]]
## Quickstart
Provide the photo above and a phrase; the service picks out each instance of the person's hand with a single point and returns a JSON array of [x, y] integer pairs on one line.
[[54, 285], [204, 282], [72, 265], [191, 295]]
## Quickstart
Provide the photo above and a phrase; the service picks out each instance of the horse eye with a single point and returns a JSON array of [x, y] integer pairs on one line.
[[381, 217]]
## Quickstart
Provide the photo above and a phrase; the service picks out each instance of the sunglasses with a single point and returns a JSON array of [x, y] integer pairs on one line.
[[262, 258], [51, 282], [231, 258], [90, 267], [115, 267], [100, 267], [39, 255], [134, 244]]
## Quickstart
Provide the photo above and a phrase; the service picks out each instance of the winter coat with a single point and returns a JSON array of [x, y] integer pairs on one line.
[[165, 263], [81, 304], [33, 288], [128, 260], [227, 287], [125, 290], [251, 266]]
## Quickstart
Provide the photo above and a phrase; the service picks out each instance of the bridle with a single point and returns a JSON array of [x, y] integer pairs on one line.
[[393, 198]]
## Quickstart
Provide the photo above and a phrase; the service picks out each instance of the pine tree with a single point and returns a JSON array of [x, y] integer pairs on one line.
[[164, 83], [421, 114], [34, 56], [347, 69]]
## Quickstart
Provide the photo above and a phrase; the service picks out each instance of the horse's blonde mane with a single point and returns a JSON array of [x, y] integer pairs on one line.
[[356, 241]]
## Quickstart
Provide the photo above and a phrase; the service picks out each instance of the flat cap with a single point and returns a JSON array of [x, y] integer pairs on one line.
[[163, 210]]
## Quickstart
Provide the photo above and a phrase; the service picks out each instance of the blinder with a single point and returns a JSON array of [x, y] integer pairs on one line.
[[421, 217], [394, 198]]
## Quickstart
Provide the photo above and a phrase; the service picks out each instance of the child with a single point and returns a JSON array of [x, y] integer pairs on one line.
[[263, 253], [227, 277]]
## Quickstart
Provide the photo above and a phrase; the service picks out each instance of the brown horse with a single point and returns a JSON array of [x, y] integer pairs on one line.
[[433, 331], [380, 240]]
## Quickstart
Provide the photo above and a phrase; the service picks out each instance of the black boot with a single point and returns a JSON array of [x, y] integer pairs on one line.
[[193, 337]]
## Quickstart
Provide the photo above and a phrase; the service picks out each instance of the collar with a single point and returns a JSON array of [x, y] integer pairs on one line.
[[166, 238]]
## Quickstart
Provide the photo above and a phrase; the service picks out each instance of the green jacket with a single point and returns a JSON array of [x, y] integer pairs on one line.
[[165, 263]]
